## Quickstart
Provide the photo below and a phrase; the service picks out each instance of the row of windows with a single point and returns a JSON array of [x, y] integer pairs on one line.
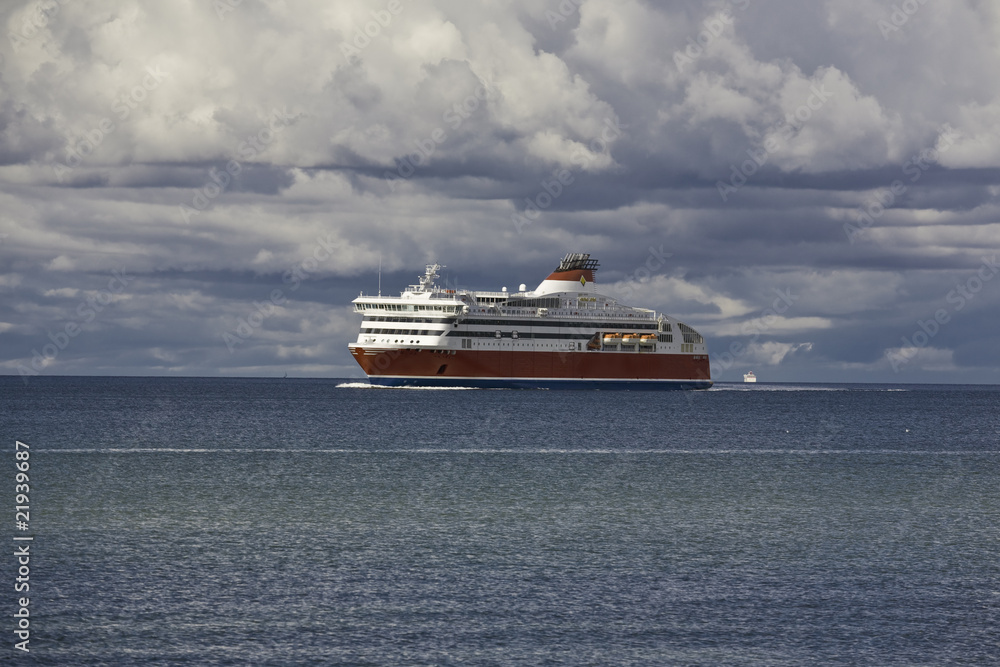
[[432, 320], [693, 338], [404, 307], [541, 322], [544, 302], [467, 345], [403, 332], [516, 334], [662, 338]]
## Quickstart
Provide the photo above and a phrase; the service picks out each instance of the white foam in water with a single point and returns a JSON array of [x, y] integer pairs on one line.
[[717, 387], [752, 386], [365, 385]]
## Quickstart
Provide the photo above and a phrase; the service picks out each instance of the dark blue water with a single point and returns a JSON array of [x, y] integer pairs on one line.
[[271, 522]]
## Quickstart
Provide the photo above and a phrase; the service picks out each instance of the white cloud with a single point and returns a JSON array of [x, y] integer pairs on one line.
[[770, 326], [64, 292], [978, 143], [920, 358], [661, 291], [771, 353]]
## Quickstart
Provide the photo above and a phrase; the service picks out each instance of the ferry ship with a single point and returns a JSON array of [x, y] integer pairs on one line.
[[564, 334], [749, 377]]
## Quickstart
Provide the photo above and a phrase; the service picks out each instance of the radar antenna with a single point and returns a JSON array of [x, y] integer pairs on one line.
[[427, 280], [577, 260]]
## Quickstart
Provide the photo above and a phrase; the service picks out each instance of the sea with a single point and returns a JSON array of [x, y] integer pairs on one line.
[[206, 521]]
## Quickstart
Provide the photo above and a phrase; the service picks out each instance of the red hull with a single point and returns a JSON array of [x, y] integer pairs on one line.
[[510, 365]]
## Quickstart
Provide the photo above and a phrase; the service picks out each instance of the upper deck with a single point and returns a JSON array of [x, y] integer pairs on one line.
[[564, 308], [575, 302]]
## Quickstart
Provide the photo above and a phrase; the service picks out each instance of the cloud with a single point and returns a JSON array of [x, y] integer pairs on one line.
[[979, 143], [778, 325], [920, 358], [216, 155], [772, 353]]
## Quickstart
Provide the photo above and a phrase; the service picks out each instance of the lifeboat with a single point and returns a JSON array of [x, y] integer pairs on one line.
[[647, 339], [612, 338]]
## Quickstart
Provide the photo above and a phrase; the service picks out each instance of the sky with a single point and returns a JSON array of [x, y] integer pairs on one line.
[[200, 188]]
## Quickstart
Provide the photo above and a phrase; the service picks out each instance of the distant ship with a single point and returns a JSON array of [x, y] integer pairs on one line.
[[563, 334], [749, 377]]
